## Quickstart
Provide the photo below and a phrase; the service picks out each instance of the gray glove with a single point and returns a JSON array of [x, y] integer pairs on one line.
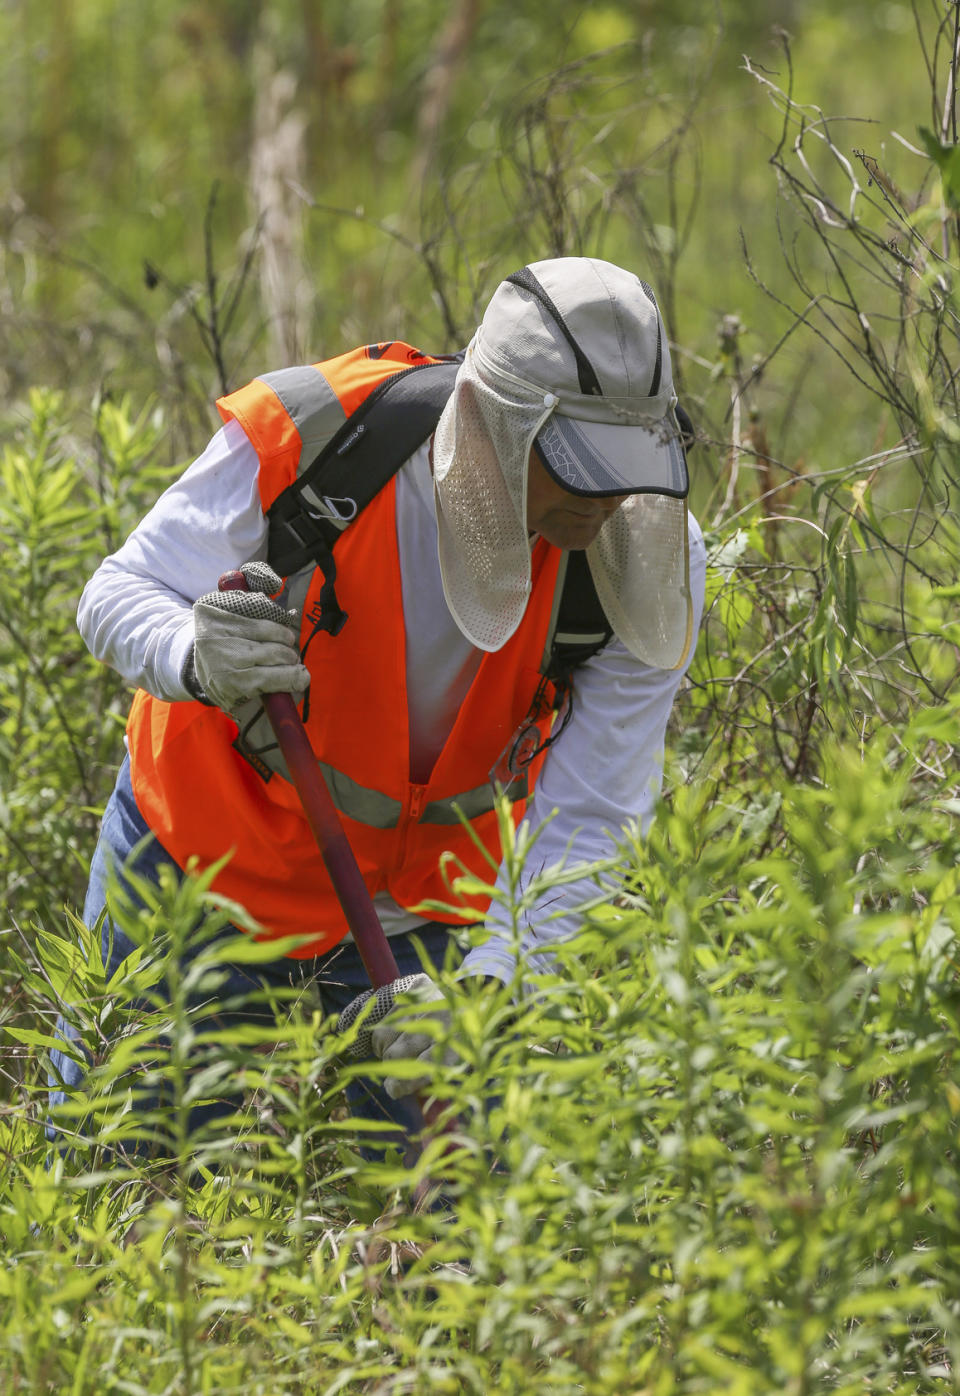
[[398, 1041], [244, 644]]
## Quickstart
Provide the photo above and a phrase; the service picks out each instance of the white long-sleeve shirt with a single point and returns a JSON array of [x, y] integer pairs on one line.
[[602, 773]]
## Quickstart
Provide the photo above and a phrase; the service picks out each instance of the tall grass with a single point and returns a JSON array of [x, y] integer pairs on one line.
[[721, 1148]]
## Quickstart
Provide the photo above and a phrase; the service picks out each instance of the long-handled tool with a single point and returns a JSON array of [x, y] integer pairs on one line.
[[308, 781], [348, 883]]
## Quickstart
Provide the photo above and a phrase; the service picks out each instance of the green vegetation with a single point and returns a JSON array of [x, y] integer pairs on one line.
[[727, 1132]]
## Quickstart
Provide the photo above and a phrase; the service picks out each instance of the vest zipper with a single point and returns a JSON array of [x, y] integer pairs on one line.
[[415, 803], [418, 797]]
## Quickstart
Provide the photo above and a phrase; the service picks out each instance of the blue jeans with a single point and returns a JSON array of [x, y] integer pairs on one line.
[[338, 975]]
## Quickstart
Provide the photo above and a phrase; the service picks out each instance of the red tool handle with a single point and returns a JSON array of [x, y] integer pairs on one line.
[[334, 848], [323, 819]]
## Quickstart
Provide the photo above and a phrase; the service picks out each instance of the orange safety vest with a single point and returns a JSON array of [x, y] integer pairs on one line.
[[203, 799]]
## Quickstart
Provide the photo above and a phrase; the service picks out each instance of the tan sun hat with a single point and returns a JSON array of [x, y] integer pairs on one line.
[[571, 355]]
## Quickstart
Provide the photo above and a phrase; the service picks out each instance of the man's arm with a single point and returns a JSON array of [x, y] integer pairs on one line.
[[136, 612], [602, 773]]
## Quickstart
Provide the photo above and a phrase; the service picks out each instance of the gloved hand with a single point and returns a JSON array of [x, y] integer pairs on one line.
[[245, 644], [398, 1040]]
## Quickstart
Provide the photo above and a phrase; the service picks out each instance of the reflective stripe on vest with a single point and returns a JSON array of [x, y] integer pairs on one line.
[[311, 404], [382, 812]]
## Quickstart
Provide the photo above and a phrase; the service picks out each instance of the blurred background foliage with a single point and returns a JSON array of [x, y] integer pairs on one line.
[[384, 164]]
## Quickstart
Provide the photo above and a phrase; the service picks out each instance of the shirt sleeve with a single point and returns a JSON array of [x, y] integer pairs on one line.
[[601, 775], [136, 612]]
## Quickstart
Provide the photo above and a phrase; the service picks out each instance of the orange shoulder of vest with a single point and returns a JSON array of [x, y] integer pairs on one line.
[[270, 429], [354, 375]]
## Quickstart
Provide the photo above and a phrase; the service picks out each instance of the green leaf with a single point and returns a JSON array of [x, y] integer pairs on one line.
[[32, 1038], [947, 160]]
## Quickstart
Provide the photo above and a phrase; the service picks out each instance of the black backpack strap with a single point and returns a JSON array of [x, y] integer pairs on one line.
[[579, 627], [307, 517]]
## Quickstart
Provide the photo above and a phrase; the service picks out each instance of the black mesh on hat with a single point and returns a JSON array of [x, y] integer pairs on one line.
[[589, 382]]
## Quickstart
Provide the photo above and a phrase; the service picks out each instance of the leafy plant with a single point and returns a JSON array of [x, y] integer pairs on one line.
[[59, 711], [717, 1146]]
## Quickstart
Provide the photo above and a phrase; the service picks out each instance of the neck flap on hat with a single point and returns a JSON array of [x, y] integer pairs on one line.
[[639, 560]]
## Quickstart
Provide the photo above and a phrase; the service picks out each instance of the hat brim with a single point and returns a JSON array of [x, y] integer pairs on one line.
[[604, 458]]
